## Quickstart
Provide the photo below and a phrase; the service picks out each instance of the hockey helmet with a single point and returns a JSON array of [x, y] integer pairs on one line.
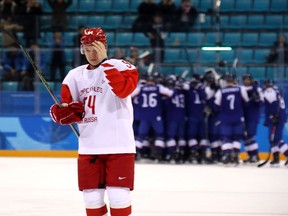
[[230, 77], [247, 76], [268, 83], [170, 81], [93, 34]]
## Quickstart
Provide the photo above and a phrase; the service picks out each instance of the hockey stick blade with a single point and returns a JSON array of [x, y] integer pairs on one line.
[[40, 75]]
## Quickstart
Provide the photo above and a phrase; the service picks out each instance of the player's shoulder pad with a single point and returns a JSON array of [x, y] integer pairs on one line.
[[74, 73], [270, 95], [120, 64]]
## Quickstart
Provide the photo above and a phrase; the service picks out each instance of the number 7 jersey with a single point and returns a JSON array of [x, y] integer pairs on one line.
[[107, 125]]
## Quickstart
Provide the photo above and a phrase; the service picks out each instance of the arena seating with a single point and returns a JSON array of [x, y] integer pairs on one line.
[[249, 26]]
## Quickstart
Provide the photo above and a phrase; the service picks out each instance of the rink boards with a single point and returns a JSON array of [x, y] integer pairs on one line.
[[32, 135]]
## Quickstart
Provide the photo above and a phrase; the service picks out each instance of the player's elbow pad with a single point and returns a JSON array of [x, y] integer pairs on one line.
[[122, 83]]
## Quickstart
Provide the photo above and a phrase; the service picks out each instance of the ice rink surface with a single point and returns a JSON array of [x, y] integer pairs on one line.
[[48, 187]]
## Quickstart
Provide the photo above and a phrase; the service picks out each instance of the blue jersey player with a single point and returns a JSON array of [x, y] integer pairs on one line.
[[252, 111], [212, 117], [197, 141], [175, 120], [151, 119], [275, 118], [229, 101]]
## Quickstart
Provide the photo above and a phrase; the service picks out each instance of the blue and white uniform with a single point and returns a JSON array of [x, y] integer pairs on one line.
[[229, 101]]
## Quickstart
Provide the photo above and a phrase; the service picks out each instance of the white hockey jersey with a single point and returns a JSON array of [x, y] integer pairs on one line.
[[107, 125]]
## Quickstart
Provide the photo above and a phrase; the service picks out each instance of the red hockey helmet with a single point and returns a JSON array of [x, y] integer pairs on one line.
[[93, 34]]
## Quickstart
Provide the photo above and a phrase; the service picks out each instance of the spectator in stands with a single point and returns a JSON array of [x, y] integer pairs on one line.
[[10, 28], [79, 58], [167, 9], [32, 21], [146, 10], [279, 52], [1, 70], [58, 57], [28, 14], [118, 54], [59, 17], [156, 33], [14, 64], [27, 78], [134, 59], [186, 16], [7, 8]]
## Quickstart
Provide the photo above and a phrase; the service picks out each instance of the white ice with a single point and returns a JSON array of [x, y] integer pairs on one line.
[[48, 187]]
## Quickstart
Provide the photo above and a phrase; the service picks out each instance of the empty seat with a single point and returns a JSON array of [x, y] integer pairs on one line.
[[208, 56], [112, 22], [279, 5], [120, 6], [128, 21], [245, 56], [266, 39], [73, 7], [45, 22], [171, 55], [95, 20], [228, 56], [176, 39], [243, 5], [9, 86], [134, 5], [240, 71], [249, 39], [69, 38], [195, 39], [181, 70], [261, 6], [255, 22], [110, 38], [140, 39], [212, 38], [189, 55], [258, 73], [70, 55], [124, 39], [76, 21], [232, 39], [166, 70], [227, 5], [102, 6], [41, 87], [260, 55], [205, 5], [237, 21], [224, 22], [274, 22], [86, 6]]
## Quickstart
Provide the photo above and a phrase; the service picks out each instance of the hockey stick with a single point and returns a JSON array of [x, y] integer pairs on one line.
[[273, 129], [188, 59], [41, 77]]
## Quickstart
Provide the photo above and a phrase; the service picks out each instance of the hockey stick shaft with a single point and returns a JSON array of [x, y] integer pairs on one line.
[[41, 77], [271, 145]]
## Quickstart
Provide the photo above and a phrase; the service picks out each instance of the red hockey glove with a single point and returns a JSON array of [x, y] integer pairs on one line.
[[122, 83], [77, 107], [65, 115]]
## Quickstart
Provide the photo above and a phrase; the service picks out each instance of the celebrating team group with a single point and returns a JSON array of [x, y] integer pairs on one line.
[[205, 119]]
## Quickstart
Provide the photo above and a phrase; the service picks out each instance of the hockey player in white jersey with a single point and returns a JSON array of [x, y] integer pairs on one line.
[[97, 97], [275, 119]]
